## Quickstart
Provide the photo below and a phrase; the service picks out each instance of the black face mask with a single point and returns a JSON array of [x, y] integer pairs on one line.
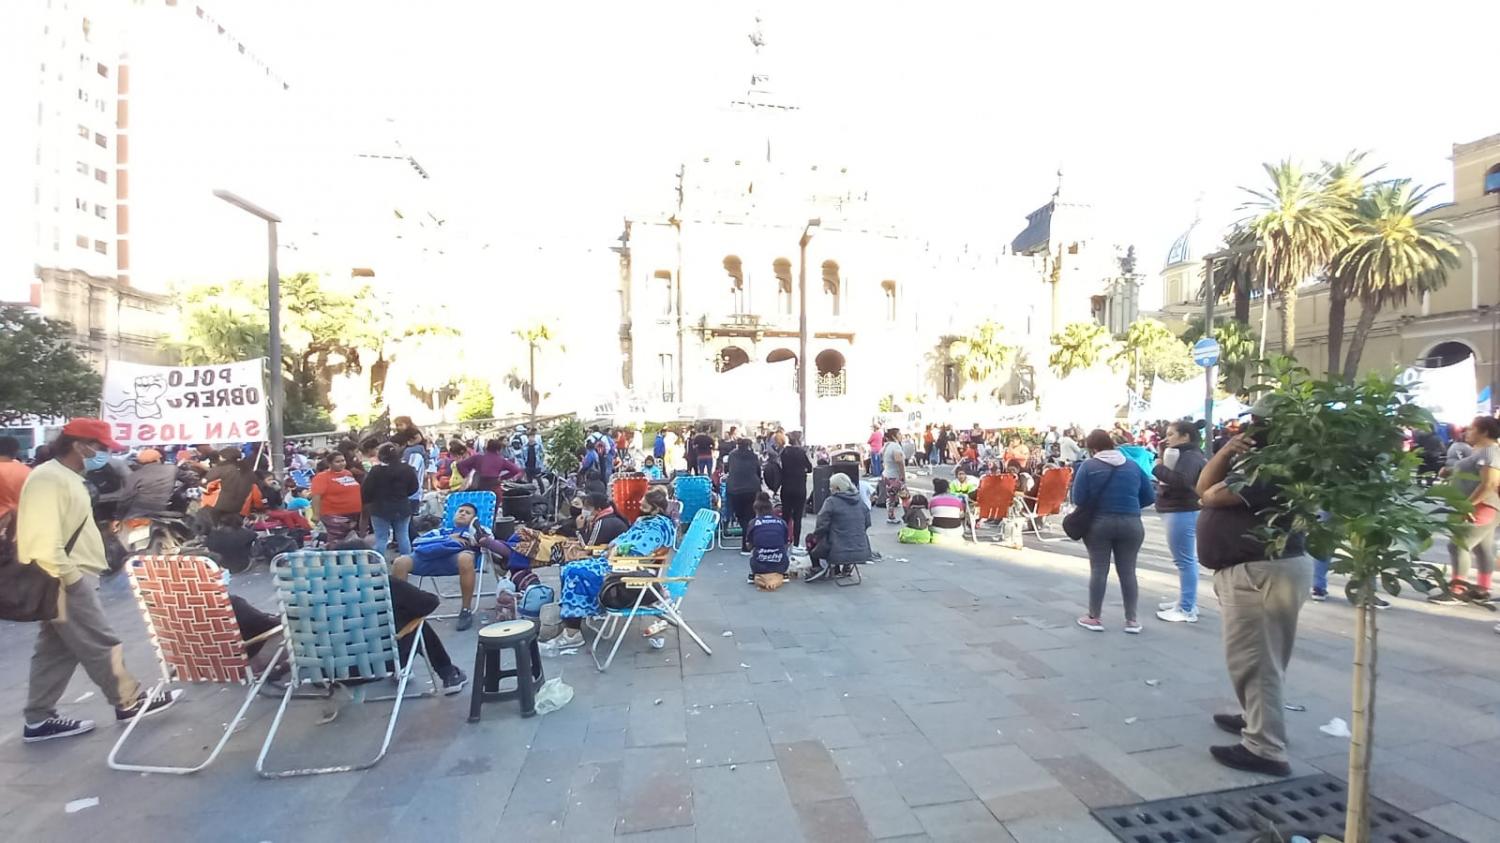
[[575, 510]]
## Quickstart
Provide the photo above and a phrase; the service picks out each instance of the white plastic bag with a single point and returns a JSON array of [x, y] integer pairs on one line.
[[553, 694]]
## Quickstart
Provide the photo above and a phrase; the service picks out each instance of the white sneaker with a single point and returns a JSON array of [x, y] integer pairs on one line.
[[1166, 605], [1176, 615]]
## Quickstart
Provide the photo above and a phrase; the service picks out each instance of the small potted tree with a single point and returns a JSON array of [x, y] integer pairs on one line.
[[1337, 451]]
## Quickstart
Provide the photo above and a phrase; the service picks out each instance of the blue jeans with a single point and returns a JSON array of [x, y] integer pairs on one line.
[[1320, 575], [875, 464], [383, 529], [1182, 541]]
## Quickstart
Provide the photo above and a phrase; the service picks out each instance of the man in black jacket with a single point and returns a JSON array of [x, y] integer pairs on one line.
[[795, 467], [742, 485]]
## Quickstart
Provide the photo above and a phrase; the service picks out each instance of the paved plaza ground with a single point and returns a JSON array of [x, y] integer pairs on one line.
[[949, 697]]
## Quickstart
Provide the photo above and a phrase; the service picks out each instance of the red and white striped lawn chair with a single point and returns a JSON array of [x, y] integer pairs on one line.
[[196, 637]]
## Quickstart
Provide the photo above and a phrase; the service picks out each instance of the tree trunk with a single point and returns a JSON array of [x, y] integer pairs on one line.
[[1287, 307], [1356, 820], [1242, 301], [531, 376], [1367, 311], [1337, 298]]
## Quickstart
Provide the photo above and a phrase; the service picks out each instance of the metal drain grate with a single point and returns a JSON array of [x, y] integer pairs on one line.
[[1310, 806]]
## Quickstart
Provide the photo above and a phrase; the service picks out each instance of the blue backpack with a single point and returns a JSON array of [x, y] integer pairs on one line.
[[533, 599]]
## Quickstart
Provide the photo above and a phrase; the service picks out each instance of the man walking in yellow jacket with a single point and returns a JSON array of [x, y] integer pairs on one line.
[[56, 532]]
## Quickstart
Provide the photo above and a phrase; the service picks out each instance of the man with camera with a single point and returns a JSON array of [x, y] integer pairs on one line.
[[1260, 589]]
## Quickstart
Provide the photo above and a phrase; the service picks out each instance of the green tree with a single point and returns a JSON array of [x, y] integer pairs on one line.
[[1234, 276], [1392, 253], [475, 400], [982, 358], [41, 373], [1149, 350], [1238, 349], [1298, 226], [564, 445], [1344, 181], [1336, 451], [1080, 346]]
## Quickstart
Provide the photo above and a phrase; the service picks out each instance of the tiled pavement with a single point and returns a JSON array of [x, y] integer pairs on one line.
[[950, 697]]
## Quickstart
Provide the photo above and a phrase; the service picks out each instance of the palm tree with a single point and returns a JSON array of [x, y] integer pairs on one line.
[[1234, 275], [981, 357], [1078, 347], [1392, 253], [1345, 184], [534, 336], [1298, 226]]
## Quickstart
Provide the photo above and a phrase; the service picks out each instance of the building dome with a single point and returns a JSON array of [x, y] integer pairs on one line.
[[1193, 245]]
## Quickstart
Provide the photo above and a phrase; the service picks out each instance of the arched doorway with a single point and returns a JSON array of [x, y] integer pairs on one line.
[[832, 376], [732, 357], [781, 355], [1447, 353]]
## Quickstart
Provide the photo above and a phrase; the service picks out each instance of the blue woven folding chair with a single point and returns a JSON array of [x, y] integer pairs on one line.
[[669, 589], [339, 628], [694, 491], [484, 503]]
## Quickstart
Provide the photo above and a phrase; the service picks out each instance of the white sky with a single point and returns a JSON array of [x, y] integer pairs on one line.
[[958, 112], [546, 122]]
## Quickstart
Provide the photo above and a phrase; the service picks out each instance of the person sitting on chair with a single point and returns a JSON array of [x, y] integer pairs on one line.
[[584, 579], [602, 524], [474, 538], [949, 511], [841, 532], [963, 485]]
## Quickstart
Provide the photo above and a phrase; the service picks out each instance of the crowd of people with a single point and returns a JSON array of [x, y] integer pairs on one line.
[[373, 493]]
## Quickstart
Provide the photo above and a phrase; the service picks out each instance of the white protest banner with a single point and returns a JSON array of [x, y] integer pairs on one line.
[[185, 405]]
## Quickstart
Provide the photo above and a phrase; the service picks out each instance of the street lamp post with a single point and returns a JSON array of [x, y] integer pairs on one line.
[[802, 323], [273, 301]]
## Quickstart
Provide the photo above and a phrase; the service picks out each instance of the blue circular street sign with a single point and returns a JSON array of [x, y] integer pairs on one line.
[[1206, 352]]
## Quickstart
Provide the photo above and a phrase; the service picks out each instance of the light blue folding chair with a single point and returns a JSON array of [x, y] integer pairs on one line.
[[340, 629], [484, 503], [668, 588]]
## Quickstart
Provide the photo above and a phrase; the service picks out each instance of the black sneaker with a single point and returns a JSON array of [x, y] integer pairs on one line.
[[816, 573], [55, 727], [1319, 595], [1380, 603], [454, 680], [158, 703], [1240, 758], [1231, 723], [750, 579], [1444, 598], [465, 620]]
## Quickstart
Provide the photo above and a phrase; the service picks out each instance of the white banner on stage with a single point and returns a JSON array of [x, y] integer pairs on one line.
[[185, 405]]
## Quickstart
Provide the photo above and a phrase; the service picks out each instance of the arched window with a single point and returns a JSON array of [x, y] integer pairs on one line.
[[732, 357], [832, 285], [889, 288], [782, 269], [736, 272], [661, 292], [1446, 354], [832, 376], [782, 355], [1492, 180]]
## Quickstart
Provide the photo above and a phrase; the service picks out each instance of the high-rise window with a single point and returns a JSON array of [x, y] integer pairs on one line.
[[101, 176], [100, 140], [101, 212], [101, 247], [81, 241], [82, 167], [83, 131]]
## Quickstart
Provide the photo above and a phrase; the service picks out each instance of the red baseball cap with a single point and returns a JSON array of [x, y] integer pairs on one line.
[[95, 429]]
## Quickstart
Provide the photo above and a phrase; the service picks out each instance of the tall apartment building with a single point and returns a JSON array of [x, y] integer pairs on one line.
[[88, 58]]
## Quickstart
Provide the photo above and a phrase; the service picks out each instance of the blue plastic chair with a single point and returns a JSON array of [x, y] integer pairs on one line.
[[484, 502], [669, 587], [339, 626]]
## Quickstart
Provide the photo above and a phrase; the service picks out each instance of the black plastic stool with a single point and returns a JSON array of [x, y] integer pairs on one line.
[[520, 637]]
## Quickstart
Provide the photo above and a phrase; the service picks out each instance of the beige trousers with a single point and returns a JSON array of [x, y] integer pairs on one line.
[[79, 634], [1259, 602]]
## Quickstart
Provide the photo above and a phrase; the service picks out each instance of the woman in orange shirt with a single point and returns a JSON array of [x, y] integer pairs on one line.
[[336, 500]]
